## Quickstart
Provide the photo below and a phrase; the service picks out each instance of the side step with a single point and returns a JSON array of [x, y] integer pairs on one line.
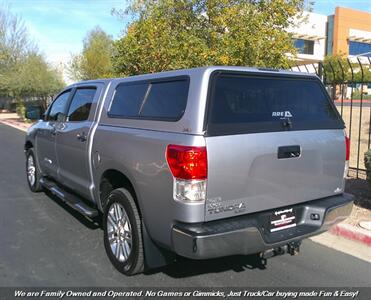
[[68, 198]]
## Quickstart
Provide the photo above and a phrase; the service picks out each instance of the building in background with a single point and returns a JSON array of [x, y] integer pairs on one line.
[[310, 38], [351, 32], [347, 32]]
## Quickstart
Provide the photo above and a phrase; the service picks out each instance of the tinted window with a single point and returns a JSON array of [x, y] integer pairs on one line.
[[166, 100], [81, 103], [242, 104], [58, 106], [128, 100]]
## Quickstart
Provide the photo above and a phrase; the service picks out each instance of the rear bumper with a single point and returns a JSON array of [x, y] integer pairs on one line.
[[249, 234]]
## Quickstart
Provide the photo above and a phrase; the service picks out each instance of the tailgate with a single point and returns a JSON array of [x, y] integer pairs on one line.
[[272, 141], [245, 174]]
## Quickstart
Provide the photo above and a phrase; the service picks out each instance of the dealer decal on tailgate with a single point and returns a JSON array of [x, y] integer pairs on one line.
[[282, 219]]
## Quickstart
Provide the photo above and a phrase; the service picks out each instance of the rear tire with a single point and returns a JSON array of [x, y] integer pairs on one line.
[[32, 172], [123, 233]]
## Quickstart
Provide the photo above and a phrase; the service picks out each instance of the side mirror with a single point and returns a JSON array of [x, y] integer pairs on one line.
[[33, 113], [61, 117]]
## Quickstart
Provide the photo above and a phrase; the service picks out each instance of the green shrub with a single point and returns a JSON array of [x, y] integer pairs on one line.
[[21, 110], [368, 164], [357, 95]]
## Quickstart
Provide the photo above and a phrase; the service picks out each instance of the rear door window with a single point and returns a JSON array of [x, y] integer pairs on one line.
[[243, 103], [154, 100], [82, 100]]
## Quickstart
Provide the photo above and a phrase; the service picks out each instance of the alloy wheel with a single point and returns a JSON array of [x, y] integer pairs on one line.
[[119, 232], [31, 170]]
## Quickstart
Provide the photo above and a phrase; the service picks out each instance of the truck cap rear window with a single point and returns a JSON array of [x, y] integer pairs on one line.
[[251, 103]]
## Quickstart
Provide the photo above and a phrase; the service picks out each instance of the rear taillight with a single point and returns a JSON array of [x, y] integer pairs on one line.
[[188, 165], [347, 148], [347, 155], [187, 162]]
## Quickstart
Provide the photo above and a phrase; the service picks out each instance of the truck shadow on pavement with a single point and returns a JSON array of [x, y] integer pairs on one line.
[[183, 267], [91, 224], [361, 188]]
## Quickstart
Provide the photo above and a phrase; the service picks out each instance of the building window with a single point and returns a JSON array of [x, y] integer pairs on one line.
[[304, 46], [330, 34], [358, 48]]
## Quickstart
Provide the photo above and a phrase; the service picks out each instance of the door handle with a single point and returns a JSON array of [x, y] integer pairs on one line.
[[81, 137], [289, 151]]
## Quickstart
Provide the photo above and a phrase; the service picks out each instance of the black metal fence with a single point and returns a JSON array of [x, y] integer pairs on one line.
[[348, 82]]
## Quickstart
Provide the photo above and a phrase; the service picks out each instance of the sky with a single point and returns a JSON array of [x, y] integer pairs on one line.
[[59, 26], [327, 7]]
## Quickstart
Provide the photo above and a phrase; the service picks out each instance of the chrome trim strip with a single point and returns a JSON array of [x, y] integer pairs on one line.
[[90, 147]]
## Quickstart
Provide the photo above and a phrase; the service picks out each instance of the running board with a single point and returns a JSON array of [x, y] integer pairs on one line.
[[68, 198]]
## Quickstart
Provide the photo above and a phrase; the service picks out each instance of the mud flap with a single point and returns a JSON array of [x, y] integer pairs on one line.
[[155, 256]]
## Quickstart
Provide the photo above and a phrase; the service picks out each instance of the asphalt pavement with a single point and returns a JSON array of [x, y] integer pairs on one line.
[[45, 243]]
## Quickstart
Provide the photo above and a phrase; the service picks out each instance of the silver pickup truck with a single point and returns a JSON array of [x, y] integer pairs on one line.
[[201, 163]]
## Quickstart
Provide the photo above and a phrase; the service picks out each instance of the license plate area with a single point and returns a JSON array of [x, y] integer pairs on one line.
[[282, 219]]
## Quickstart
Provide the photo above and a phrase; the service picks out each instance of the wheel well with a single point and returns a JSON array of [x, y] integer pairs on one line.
[[28, 145], [113, 179]]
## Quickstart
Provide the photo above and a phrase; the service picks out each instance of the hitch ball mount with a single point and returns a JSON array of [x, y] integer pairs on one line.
[[292, 248]]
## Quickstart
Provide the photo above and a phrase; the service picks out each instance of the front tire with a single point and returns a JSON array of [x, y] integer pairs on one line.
[[32, 172], [123, 233]]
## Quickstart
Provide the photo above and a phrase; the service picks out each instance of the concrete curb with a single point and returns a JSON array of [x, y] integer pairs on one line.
[[352, 232], [353, 101], [15, 124]]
